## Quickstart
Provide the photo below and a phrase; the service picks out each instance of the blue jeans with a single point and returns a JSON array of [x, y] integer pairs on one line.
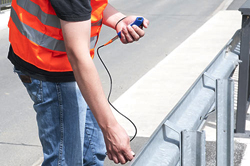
[[68, 131]]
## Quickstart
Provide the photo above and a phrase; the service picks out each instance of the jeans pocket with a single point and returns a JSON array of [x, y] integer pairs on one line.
[[33, 86]]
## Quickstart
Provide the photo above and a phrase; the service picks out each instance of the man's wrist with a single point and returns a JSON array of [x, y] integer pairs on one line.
[[106, 123], [119, 22]]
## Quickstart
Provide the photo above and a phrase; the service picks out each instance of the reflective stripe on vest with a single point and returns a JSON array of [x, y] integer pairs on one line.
[[46, 19], [39, 38], [40, 28], [34, 9]]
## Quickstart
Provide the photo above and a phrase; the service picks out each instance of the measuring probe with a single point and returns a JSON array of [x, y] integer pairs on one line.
[[138, 22]]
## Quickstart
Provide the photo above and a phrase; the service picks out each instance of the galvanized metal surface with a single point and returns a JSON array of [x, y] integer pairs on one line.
[[224, 122], [193, 148], [163, 147], [4, 3]]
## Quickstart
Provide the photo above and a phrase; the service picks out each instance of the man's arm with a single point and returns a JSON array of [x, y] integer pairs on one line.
[[77, 40]]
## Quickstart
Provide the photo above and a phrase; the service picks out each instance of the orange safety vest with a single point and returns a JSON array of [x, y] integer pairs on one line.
[[36, 35]]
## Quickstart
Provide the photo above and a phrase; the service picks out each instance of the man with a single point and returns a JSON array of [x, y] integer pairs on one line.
[[52, 43]]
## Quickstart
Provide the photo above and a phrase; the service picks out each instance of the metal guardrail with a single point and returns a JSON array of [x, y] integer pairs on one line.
[[4, 3], [178, 140]]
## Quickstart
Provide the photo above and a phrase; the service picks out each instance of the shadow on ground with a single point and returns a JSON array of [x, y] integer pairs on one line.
[[239, 149]]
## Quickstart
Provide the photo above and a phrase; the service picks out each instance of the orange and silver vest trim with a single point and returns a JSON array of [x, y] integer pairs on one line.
[[36, 35]]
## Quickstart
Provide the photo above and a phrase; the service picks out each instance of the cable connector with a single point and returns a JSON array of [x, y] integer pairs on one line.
[[113, 39]]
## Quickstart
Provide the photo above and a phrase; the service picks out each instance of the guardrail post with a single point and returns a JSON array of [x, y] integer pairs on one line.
[[225, 123], [192, 145], [243, 90]]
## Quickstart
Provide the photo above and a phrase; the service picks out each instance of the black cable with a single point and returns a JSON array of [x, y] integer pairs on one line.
[[110, 90]]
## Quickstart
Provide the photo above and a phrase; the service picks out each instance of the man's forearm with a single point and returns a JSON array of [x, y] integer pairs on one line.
[[91, 88], [111, 16], [76, 36]]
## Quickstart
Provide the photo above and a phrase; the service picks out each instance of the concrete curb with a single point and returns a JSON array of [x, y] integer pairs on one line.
[[150, 99]]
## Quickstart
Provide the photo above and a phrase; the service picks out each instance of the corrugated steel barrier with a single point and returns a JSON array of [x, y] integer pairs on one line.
[[4, 3], [178, 140]]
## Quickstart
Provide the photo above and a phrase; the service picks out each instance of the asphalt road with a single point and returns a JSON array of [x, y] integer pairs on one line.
[[171, 22]]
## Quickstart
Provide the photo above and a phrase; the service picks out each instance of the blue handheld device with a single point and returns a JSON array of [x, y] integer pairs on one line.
[[138, 21]]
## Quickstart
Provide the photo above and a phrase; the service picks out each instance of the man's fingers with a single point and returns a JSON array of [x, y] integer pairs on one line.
[[121, 158], [145, 23], [115, 159], [138, 31], [109, 156], [127, 35], [129, 155], [133, 153], [133, 32], [123, 38], [130, 34]]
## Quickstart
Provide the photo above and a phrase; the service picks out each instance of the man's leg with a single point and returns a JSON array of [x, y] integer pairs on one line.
[[94, 145], [61, 112]]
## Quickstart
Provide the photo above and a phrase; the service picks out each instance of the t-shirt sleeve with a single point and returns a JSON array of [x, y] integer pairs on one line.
[[72, 10]]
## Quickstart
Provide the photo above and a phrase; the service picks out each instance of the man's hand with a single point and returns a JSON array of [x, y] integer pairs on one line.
[[117, 144], [130, 34]]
